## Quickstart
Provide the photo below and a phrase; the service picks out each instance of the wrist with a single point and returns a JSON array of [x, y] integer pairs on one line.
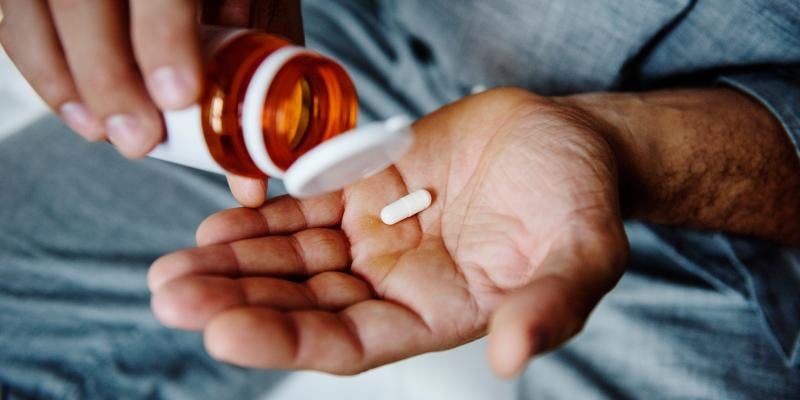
[[702, 158], [615, 117]]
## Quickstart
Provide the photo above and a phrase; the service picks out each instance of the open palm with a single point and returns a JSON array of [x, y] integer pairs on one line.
[[523, 237]]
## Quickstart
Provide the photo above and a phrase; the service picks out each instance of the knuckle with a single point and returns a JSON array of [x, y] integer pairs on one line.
[[163, 45], [163, 31], [53, 92], [178, 263], [104, 80], [105, 86], [52, 88], [166, 36]]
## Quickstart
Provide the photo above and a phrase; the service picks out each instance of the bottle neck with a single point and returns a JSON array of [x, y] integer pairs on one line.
[[265, 103], [229, 73], [269, 111]]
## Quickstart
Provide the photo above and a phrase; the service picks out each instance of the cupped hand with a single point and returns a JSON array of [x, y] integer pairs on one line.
[[522, 240]]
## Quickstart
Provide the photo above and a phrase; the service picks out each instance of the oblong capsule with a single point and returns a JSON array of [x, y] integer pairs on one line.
[[407, 206]]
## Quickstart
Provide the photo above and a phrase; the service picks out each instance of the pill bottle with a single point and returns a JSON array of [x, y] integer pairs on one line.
[[272, 109]]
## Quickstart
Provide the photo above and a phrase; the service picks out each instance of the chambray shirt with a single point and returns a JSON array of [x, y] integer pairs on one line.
[[571, 46]]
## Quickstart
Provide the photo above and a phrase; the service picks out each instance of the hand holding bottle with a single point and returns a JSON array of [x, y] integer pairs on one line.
[[109, 68]]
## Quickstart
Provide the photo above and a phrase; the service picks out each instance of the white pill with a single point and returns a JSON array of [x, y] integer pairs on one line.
[[407, 206]]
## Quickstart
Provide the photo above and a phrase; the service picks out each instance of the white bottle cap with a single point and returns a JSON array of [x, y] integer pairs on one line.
[[349, 157], [330, 166]]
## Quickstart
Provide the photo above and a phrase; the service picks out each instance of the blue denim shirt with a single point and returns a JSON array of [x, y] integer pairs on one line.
[[570, 46]]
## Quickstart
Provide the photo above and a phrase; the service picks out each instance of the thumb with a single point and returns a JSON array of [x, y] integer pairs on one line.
[[548, 311]]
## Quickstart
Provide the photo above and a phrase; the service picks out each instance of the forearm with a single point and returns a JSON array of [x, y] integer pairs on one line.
[[705, 158]]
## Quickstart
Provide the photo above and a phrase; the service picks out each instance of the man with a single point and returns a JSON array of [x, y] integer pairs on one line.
[[525, 235]]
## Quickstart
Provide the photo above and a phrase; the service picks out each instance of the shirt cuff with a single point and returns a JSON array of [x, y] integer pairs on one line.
[[778, 89], [774, 271]]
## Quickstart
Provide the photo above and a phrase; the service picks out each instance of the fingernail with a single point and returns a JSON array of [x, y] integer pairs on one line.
[[170, 89], [127, 134], [80, 120]]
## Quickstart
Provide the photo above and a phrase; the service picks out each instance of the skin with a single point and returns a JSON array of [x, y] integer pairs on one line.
[[523, 238], [344, 292], [706, 159], [110, 67]]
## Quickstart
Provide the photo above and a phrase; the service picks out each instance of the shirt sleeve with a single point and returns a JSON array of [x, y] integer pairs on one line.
[[773, 271], [778, 89]]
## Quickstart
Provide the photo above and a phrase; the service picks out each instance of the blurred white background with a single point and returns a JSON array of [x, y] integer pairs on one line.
[[19, 104]]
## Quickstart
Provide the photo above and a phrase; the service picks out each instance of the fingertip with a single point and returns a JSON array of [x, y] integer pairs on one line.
[[166, 46], [156, 275], [511, 345], [212, 230], [133, 136], [173, 88], [167, 268], [189, 302], [164, 311], [205, 233], [80, 119], [153, 275], [535, 319], [249, 192], [214, 342]]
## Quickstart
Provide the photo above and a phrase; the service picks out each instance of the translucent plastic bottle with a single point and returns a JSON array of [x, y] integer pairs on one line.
[[265, 105]]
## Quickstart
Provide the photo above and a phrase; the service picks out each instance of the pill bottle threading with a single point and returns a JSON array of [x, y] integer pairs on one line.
[[311, 99]]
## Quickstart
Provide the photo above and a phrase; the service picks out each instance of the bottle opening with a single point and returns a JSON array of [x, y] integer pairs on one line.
[[311, 99], [228, 73], [294, 114]]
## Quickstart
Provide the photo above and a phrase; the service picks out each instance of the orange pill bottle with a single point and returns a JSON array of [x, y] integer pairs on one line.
[[267, 108]]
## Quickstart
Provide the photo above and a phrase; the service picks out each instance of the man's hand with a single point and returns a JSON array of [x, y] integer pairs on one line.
[[523, 238]]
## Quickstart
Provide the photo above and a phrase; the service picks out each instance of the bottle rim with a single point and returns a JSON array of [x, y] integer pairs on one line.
[[253, 106]]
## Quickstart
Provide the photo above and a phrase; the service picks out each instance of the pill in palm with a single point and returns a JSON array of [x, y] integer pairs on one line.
[[405, 207]]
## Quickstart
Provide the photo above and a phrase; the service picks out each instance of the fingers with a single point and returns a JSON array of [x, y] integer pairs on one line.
[[548, 311], [304, 253], [362, 336], [189, 302], [249, 192], [84, 67], [44, 65], [282, 17], [94, 36], [279, 216], [226, 12], [165, 42]]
